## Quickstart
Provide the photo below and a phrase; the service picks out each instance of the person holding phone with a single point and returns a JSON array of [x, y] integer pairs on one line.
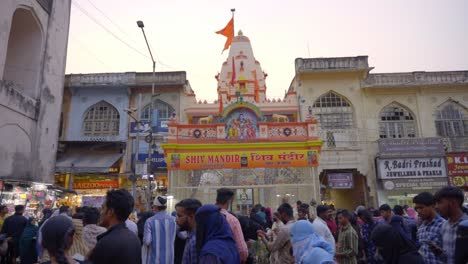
[[429, 232]]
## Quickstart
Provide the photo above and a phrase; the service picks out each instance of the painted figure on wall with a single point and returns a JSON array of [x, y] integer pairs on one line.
[[241, 125]]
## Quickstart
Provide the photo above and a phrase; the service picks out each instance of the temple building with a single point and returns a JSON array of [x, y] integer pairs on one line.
[[245, 141]]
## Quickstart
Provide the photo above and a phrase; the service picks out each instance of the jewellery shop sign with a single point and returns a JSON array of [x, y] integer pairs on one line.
[[411, 168], [412, 173]]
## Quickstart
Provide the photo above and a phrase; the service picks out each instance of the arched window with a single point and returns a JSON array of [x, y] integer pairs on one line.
[[452, 120], [397, 122], [23, 57], [333, 111], [165, 110], [101, 119]]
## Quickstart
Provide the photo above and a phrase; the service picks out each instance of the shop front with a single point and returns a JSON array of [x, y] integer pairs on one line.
[[91, 175], [457, 166], [338, 185], [407, 167], [34, 196]]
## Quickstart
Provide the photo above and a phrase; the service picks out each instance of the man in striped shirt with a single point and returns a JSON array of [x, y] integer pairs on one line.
[[347, 248], [159, 235]]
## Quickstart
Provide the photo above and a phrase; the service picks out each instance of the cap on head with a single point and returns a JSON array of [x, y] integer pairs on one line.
[[160, 201]]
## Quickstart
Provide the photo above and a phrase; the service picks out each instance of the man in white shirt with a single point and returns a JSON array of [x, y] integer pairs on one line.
[[320, 226]]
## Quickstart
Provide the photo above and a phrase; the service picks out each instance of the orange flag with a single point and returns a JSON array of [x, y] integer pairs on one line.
[[228, 32]]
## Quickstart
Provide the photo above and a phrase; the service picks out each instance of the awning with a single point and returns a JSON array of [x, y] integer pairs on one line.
[[86, 163]]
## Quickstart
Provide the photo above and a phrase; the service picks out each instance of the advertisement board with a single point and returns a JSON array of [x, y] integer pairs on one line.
[[404, 168], [340, 180], [411, 147], [243, 159], [457, 166], [95, 184], [414, 184]]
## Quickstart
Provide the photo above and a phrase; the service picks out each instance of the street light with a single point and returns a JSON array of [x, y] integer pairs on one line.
[[142, 26]]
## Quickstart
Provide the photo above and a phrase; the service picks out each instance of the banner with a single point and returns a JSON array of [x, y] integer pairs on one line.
[[414, 184], [242, 159], [411, 147], [457, 166], [411, 168], [96, 185], [340, 180]]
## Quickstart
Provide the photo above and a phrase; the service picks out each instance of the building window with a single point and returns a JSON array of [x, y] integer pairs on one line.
[[397, 122], [452, 120], [101, 119], [333, 111], [165, 110]]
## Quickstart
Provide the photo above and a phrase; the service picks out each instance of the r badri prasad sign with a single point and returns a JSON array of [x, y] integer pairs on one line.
[[411, 168]]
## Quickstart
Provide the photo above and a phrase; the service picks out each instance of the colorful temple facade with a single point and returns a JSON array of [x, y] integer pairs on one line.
[[243, 141]]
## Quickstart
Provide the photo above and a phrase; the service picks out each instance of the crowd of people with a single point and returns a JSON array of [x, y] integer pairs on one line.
[[433, 232]]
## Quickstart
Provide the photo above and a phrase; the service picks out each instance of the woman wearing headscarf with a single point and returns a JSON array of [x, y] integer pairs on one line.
[[27, 243], [397, 223], [412, 214], [308, 247], [393, 248], [57, 239], [215, 243]]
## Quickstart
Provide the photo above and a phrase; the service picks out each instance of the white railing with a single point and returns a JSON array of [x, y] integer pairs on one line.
[[304, 65], [417, 78], [100, 79]]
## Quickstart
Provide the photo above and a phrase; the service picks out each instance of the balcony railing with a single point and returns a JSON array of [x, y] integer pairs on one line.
[[339, 138], [456, 144], [416, 78]]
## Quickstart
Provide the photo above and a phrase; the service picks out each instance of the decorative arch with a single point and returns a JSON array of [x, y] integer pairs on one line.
[[24, 52], [397, 121], [15, 155], [334, 111], [451, 119], [247, 105], [165, 110], [101, 119]]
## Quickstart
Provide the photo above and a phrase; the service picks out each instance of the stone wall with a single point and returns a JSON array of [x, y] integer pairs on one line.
[[29, 122]]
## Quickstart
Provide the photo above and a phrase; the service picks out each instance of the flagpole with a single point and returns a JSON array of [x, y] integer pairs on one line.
[[233, 10]]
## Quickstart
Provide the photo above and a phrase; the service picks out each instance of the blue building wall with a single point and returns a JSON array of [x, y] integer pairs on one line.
[[83, 98]]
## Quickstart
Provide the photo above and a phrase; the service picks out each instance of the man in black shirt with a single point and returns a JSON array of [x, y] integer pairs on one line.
[[13, 228], [118, 244]]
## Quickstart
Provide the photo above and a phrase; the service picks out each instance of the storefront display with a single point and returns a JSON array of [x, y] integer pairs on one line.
[[406, 167], [33, 196]]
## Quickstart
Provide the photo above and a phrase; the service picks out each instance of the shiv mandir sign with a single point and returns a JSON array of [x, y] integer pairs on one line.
[[405, 168]]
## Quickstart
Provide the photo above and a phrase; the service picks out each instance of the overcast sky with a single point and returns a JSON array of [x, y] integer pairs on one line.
[[397, 35]]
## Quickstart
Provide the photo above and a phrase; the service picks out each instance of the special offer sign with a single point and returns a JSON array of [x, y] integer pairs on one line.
[[242, 159], [457, 166]]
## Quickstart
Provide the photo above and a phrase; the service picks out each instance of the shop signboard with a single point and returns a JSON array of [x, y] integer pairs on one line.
[[411, 147], [95, 185], [457, 166], [404, 168], [340, 180], [242, 159], [157, 159], [414, 184]]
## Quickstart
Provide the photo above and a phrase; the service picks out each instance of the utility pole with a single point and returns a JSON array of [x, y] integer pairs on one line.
[[150, 142]]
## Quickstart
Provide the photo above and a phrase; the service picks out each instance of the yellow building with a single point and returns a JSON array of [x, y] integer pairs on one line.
[[368, 121]]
